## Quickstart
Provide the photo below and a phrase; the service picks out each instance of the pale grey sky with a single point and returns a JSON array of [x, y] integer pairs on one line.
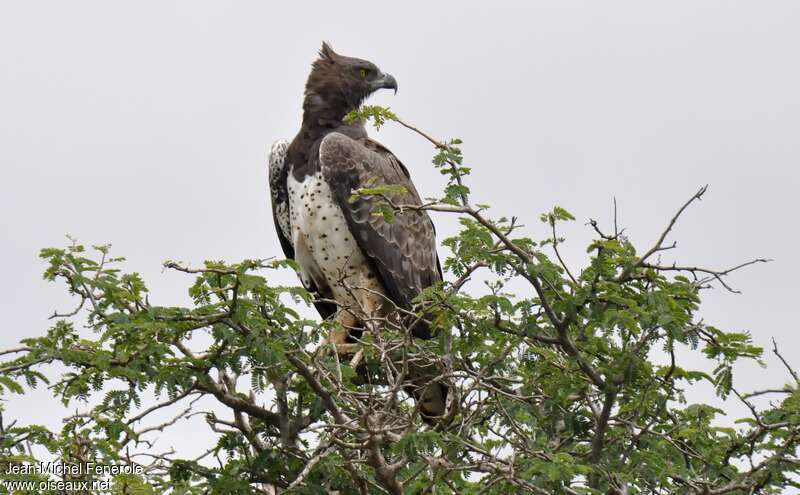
[[146, 124]]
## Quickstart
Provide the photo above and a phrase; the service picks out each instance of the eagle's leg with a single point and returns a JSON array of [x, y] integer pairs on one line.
[[338, 334], [371, 300]]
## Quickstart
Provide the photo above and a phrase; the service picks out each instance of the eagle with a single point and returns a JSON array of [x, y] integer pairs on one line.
[[359, 266]]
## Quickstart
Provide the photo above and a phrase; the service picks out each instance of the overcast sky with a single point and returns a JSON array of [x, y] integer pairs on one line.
[[147, 124]]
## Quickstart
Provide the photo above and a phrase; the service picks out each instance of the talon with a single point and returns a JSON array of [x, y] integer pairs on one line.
[[343, 350], [357, 359], [346, 349]]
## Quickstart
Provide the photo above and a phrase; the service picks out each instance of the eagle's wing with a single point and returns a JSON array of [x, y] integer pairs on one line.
[[278, 195], [402, 252], [278, 173]]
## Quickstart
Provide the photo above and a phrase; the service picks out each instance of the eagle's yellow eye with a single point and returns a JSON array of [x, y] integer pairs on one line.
[[363, 73]]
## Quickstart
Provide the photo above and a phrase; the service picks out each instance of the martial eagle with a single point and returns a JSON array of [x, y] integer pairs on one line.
[[347, 254]]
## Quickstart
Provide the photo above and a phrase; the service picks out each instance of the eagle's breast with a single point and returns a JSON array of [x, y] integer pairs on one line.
[[324, 246]]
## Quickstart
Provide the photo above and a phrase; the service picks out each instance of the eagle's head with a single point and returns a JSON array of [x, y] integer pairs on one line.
[[338, 85]]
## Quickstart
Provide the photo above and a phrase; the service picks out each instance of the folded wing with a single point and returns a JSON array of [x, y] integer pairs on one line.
[[402, 252]]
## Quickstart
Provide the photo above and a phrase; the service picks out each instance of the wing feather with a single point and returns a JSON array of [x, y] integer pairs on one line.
[[403, 252], [278, 196]]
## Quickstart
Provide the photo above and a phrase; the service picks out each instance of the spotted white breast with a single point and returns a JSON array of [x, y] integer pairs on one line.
[[324, 247]]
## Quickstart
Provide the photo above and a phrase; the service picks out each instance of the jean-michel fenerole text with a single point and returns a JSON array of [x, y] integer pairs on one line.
[[64, 469]]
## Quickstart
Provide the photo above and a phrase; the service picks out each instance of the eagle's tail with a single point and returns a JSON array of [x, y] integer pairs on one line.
[[430, 395]]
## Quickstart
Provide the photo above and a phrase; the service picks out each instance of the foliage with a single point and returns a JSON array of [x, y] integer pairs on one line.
[[554, 389]]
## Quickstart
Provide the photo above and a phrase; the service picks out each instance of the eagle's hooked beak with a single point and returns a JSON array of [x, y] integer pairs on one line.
[[385, 81]]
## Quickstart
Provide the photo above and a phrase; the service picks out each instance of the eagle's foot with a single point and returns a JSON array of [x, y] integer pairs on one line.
[[342, 351], [357, 359], [338, 338], [346, 349]]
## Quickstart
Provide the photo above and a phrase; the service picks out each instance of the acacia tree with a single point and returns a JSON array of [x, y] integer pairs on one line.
[[552, 389]]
